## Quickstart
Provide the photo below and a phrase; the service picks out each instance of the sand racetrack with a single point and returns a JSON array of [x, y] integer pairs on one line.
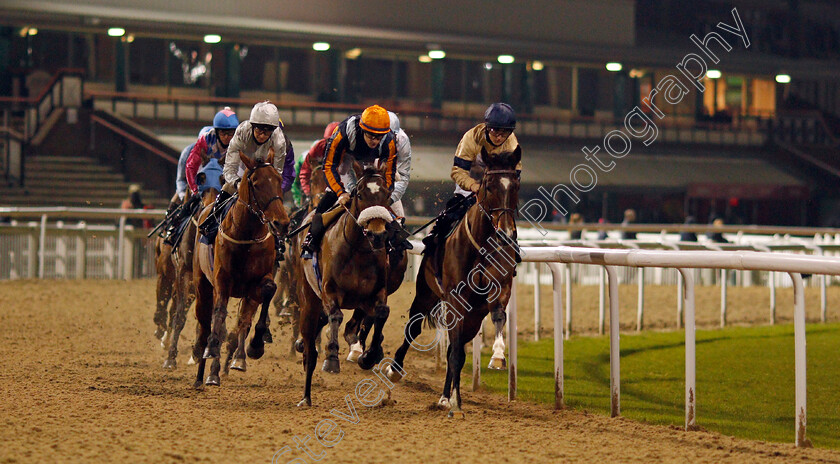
[[82, 381]]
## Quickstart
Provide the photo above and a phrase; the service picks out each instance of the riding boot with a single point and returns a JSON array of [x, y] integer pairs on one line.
[[312, 241], [210, 226]]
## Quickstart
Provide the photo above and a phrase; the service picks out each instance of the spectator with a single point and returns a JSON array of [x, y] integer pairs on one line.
[[717, 237], [574, 219], [686, 236], [602, 234], [134, 201], [629, 219]]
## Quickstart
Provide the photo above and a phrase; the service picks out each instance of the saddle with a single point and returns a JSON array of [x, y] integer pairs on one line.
[[210, 226]]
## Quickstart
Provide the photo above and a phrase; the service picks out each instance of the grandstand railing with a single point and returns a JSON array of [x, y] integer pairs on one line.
[[202, 109], [11, 156], [683, 261]]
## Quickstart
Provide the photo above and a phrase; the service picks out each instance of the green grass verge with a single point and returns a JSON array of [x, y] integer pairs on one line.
[[745, 379]]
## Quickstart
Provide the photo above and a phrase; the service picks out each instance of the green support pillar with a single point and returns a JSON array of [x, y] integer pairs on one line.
[[6, 34], [232, 70], [120, 72], [437, 84], [527, 104], [620, 95], [507, 82], [338, 71]]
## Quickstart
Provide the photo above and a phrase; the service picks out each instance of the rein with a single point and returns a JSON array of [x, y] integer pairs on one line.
[[488, 213], [258, 211]]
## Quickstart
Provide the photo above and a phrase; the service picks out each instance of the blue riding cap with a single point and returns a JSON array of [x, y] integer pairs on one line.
[[212, 176]]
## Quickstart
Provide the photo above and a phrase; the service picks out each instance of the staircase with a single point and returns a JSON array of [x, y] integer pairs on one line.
[[72, 181]]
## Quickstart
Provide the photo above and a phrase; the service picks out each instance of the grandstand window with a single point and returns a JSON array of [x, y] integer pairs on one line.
[[258, 69], [189, 63], [147, 60]]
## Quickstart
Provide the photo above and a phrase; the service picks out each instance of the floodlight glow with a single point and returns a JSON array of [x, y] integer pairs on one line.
[[713, 74], [424, 59], [614, 66], [505, 59], [116, 32], [537, 65], [782, 78], [33, 31], [320, 46], [437, 54], [212, 38], [353, 53]]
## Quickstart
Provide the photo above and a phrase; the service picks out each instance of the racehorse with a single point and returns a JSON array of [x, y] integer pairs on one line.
[[286, 279], [243, 267], [209, 180], [353, 273], [471, 278]]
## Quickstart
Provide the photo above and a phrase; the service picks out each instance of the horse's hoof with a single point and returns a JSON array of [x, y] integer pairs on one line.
[[255, 350], [331, 365], [213, 380], [443, 403], [392, 375], [299, 345], [267, 337], [238, 364], [305, 402], [191, 362], [369, 358], [169, 364], [355, 352], [159, 333], [198, 385], [498, 364], [456, 415]]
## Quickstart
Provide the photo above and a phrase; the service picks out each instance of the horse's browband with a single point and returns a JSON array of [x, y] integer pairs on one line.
[[501, 171]]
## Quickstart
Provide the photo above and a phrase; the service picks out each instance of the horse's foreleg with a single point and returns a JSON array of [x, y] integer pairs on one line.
[[456, 360], [246, 315], [218, 331], [163, 292], [499, 317], [447, 384], [331, 363], [424, 301], [374, 354], [351, 334], [182, 301], [262, 332], [203, 312]]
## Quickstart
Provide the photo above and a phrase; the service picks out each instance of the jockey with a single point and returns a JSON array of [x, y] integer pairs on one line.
[[495, 135], [254, 138], [365, 137], [312, 158]]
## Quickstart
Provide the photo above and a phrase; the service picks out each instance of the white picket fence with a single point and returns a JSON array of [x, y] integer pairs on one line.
[[560, 258]]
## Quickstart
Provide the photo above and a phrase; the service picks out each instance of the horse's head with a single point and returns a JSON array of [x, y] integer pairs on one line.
[[261, 190], [499, 191], [317, 184], [372, 197], [210, 180]]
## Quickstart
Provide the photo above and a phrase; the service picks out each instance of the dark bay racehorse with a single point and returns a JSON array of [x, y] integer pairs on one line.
[[243, 267], [286, 279], [354, 273], [209, 180], [164, 287], [472, 278]]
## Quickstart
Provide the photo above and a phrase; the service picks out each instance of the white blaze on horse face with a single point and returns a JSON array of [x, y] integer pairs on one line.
[[373, 187], [505, 182], [499, 347]]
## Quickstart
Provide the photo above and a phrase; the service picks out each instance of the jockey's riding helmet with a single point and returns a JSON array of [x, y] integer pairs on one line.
[[265, 113], [225, 119], [375, 120], [500, 116]]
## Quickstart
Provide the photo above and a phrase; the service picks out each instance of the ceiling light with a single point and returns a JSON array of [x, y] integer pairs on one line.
[[713, 74], [783, 78], [33, 31], [320, 46], [212, 38], [353, 53], [537, 65], [437, 54], [505, 59], [614, 66], [424, 59], [488, 65], [116, 32]]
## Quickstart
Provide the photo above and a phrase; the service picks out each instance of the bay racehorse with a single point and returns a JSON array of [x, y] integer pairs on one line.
[[242, 267], [286, 279], [209, 180], [353, 272], [472, 278]]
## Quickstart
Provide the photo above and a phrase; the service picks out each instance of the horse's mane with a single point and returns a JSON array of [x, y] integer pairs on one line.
[[501, 160]]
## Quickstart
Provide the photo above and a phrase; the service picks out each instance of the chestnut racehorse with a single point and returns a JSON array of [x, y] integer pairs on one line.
[[354, 273], [472, 278], [243, 267]]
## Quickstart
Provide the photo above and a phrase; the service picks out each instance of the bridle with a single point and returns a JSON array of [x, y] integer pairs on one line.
[[354, 206], [252, 197], [489, 212]]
